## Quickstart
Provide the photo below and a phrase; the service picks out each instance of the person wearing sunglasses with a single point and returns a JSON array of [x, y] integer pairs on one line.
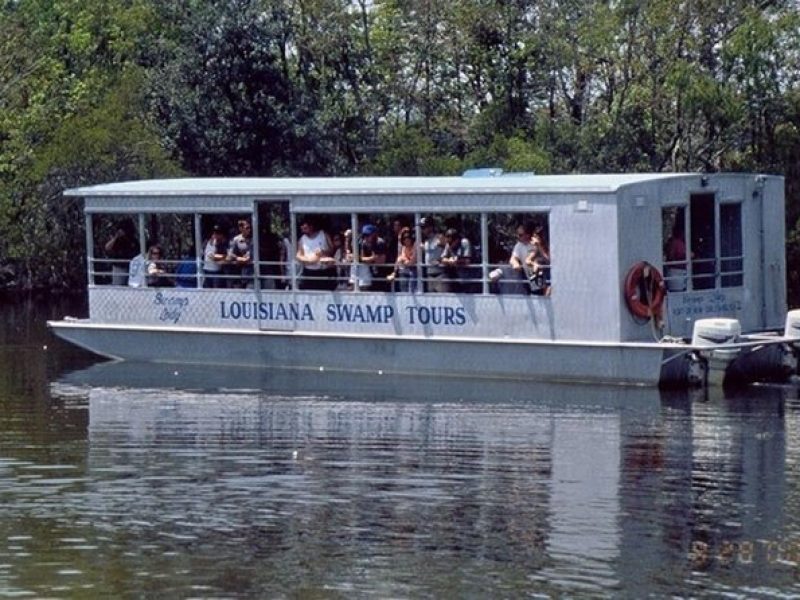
[[156, 273]]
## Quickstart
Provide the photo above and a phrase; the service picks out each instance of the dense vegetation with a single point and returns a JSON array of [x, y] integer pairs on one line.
[[103, 90]]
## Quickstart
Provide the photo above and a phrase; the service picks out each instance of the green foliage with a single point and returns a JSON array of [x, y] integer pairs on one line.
[[224, 98], [409, 151], [107, 142], [71, 112], [512, 154], [95, 90]]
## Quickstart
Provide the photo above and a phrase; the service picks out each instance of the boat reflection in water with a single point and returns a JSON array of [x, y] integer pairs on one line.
[[397, 485]]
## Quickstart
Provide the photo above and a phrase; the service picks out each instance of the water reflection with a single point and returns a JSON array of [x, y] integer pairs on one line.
[[126, 479], [388, 476], [321, 483]]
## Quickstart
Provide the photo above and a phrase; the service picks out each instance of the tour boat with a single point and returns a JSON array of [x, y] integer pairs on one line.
[[648, 278]]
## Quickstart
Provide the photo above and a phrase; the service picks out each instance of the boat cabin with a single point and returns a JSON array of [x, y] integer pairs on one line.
[[717, 240]]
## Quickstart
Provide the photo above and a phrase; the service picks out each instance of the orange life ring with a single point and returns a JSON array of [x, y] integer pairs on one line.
[[644, 290]]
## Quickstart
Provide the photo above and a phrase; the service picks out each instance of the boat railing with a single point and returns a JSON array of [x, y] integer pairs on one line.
[[731, 270], [487, 278], [704, 273], [676, 275]]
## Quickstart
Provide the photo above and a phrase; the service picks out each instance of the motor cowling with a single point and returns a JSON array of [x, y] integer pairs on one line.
[[792, 327]]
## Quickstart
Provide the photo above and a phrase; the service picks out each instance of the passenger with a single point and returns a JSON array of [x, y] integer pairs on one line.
[[432, 248], [186, 271], [340, 249], [371, 253], [314, 250], [675, 253], [214, 258], [393, 243], [456, 258], [240, 255], [288, 265], [538, 264], [405, 270], [121, 248], [516, 281], [348, 269], [156, 273], [522, 248], [137, 271], [337, 241]]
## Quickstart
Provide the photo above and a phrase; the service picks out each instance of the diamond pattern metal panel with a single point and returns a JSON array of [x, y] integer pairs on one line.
[[522, 317]]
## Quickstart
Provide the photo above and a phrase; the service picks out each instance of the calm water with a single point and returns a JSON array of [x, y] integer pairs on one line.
[[139, 481]]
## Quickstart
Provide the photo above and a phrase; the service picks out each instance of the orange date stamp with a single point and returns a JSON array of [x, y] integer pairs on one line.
[[745, 552]]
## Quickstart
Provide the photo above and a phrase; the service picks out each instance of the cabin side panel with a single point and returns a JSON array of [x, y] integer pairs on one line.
[[583, 230], [773, 207], [639, 239]]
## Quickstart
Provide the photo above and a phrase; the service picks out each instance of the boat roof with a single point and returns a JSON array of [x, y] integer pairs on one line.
[[303, 186], [490, 190]]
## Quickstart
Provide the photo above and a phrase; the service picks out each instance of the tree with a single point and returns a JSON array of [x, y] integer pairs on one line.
[[71, 112], [236, 95]]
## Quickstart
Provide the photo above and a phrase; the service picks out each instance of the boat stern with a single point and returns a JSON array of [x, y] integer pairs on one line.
[[731, 357]]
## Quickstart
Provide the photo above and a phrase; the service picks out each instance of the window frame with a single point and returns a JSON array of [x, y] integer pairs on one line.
[[483, 228], [719, 274]]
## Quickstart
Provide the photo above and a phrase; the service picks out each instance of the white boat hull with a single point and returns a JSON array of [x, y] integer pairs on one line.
[[486, 336], [508, 359]]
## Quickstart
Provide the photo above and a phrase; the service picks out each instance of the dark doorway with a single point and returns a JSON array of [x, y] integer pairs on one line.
[[703, 241]]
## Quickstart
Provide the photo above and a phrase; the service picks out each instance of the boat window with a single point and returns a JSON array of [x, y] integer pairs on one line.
[[451, 253], [124, 243], [115, 241], [173, 234], [519, 253], [711, 256], [730, 240]]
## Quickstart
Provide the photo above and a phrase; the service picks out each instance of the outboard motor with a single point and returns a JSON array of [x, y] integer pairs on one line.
[[710, 336], [792, 330]]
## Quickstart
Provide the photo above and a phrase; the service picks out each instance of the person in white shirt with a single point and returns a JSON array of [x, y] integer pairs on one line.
[[522, 248], [314, 253], [214, 257], [137, 271]]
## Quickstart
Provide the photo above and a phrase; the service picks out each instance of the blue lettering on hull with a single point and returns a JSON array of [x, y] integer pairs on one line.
[[265, 311], [356, 313], [382, 314], [437, 315], [172, 306]]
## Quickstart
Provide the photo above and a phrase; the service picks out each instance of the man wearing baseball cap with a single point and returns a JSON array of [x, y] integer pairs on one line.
[[371, 257]]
